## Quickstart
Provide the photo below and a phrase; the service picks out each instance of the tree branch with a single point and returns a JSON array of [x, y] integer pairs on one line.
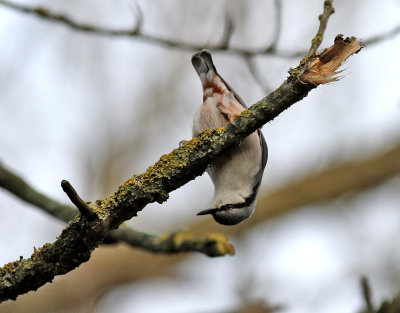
[[366, 292], [81, 205], [228, 31], [210, 244], [278, 26], [256, 73], [136, 32], [352, 177], [392, 306], [81, 237], [323, 22], [183, 241], [20, 188], [250, 59], [384, 36]]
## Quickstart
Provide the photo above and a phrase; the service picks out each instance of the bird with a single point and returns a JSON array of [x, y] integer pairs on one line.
[[237, 173]]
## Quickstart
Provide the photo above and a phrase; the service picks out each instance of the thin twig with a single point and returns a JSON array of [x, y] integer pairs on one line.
[[222, 46], [384, 36], [323, 22], [366, 291], [137, 33], [315, 43], [255, 72], [250, 59], [278, 26], [138, 15], [85, 209], [228, 31]]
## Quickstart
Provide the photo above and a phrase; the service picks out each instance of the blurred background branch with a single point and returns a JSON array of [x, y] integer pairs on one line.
[[354, 176], [222, 46], [184, 241], [322, 186]]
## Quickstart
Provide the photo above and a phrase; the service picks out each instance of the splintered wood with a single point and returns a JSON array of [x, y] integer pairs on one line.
[[322, 68]]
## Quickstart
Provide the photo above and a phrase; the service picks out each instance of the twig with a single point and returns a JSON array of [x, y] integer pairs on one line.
[[228, 31], [250, 59], [392, 306], [210, 245], [323, 22], [366, 291], [138, 16], [77, 241], [255, 72], [138, 34], [384, 36], [81, 205], [278, 26]]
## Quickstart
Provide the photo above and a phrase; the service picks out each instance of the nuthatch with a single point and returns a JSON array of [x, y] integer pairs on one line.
[[237, 173]]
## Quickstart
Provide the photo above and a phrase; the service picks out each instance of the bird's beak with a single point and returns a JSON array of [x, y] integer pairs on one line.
[[207, 211]]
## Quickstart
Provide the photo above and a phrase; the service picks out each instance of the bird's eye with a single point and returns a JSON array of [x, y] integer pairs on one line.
[[229, 206]]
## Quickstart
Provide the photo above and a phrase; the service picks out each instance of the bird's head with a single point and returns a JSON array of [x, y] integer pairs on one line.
[[230, 214]]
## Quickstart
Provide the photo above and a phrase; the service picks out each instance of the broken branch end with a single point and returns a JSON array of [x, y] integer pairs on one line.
[[322, 68]]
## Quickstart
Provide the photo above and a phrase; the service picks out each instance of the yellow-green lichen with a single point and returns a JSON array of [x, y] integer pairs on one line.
[[181, 237], [150, 183], [295, 73], [316, 40], [36, 252], [179, 158], [103, 210], [222, 244], [11, 267], [247, 114]]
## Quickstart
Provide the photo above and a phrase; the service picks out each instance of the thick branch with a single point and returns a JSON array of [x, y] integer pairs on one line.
[[351, 177], [210, 245], [81, 237]]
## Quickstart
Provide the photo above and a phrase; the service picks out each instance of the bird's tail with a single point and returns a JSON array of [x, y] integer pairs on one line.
[[202, 62]]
